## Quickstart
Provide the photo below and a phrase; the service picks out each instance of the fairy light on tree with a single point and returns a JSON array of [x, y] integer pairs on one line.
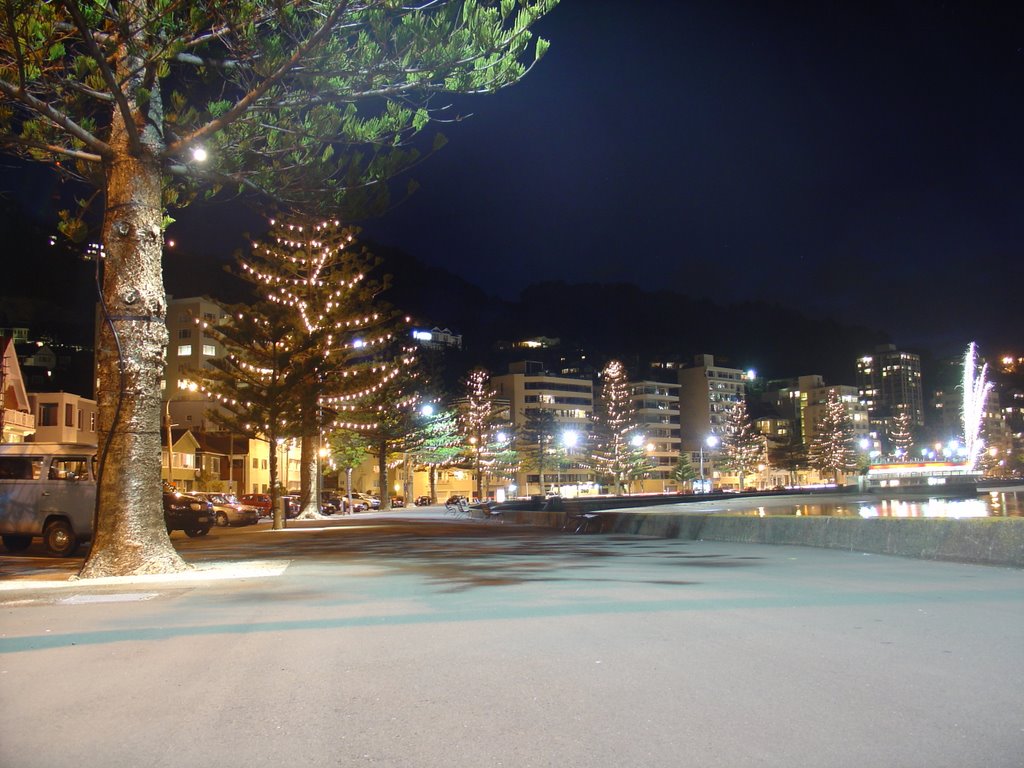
[[832, 449], [481, 417], [312, 278], [615, 424], [742, 447], [901, 439]]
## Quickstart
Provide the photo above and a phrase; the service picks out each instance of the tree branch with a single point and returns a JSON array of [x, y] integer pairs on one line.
[[57, 118], [243, 104], [134, 140], [52, 148]]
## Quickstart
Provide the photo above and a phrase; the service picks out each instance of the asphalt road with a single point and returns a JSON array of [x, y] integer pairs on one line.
[[450, 643]]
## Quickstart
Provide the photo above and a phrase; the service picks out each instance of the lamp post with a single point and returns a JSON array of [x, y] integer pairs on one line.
[[569, 439], [711, 441]]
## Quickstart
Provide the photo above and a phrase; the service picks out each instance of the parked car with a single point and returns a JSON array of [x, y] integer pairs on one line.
[[422, 501], [371, 502], [259, 500], [397, 502], [184, 512], [228, 510]]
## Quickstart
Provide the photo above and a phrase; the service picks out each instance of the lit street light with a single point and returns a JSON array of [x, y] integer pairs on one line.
[[711, 441]]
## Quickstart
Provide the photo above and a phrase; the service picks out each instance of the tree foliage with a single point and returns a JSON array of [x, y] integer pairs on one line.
[[483, 424], [742, 446], [832, 450], [614, 455]]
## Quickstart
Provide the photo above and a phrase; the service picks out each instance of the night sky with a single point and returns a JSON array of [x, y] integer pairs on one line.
[[862, 160]]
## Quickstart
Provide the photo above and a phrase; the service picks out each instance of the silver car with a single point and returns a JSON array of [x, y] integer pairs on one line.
[[228, 510]]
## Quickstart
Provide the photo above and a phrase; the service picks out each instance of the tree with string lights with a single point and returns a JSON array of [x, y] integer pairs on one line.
[[619, 452], [251, 385], [313, 104], [901, 438], [742, 446], [483, 420], [832, 448], [317, 272]]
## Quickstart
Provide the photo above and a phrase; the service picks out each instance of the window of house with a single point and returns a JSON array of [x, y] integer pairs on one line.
[[69, 415], [81, 420], [47, 414], [255, 463], [184, 350], [209, 350], [185, 333], [264, 463], [215, 464], [92, 421]]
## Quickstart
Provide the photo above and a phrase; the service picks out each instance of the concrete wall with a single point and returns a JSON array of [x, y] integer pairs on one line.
[[985, 541]]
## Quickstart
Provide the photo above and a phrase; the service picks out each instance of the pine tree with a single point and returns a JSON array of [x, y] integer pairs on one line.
[[742, 445], [481, 418], [615, 425], [535, 442], [683, 472], [312, 104], [316, 276], [348, 449], [901, 440], [832, 446], [441, 446], [251, 386]]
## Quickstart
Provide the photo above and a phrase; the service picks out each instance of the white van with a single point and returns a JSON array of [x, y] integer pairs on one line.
[[47, 490]]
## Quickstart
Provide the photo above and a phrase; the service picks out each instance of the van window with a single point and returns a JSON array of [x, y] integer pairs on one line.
[[71, 468], [20, 467]]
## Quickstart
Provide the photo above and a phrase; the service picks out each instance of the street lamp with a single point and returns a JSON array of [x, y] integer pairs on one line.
[[711, 441], [569, 440]]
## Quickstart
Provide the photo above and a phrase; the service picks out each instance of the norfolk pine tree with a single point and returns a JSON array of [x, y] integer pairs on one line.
[[742, 446], [614, 422], [832, 446], [310, 104]]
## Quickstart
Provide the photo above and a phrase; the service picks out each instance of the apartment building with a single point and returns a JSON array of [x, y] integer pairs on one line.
[[656, 407], [813, 396], [528, 387], [889, 384], [707, 392], [190, 348]]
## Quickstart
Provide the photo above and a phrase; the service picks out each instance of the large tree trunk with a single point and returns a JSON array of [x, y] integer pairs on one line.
[[309, 496], [130, 535], [382, 468]]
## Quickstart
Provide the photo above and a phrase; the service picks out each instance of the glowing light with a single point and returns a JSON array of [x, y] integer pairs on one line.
[[199, 154]]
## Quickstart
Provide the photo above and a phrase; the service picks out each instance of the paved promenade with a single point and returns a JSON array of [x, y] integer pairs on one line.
[[430, 643]]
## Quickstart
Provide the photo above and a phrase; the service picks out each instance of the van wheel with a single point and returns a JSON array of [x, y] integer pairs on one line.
[[193, 533], [59, 537], [16, 542], [222, 519]]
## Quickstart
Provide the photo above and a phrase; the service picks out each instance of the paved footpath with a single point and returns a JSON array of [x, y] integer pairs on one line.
[[451, 643]]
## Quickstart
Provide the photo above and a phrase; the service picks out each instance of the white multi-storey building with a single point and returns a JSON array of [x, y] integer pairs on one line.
[[528, 387], [656, 409], [707, 393]]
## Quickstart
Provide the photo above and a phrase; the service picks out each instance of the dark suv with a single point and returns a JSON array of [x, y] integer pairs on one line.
[[187, 513]]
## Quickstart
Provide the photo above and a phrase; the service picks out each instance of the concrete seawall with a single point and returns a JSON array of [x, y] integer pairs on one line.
[[985, 541]]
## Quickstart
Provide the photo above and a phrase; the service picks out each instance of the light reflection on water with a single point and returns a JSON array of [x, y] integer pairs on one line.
[[993, 504]]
